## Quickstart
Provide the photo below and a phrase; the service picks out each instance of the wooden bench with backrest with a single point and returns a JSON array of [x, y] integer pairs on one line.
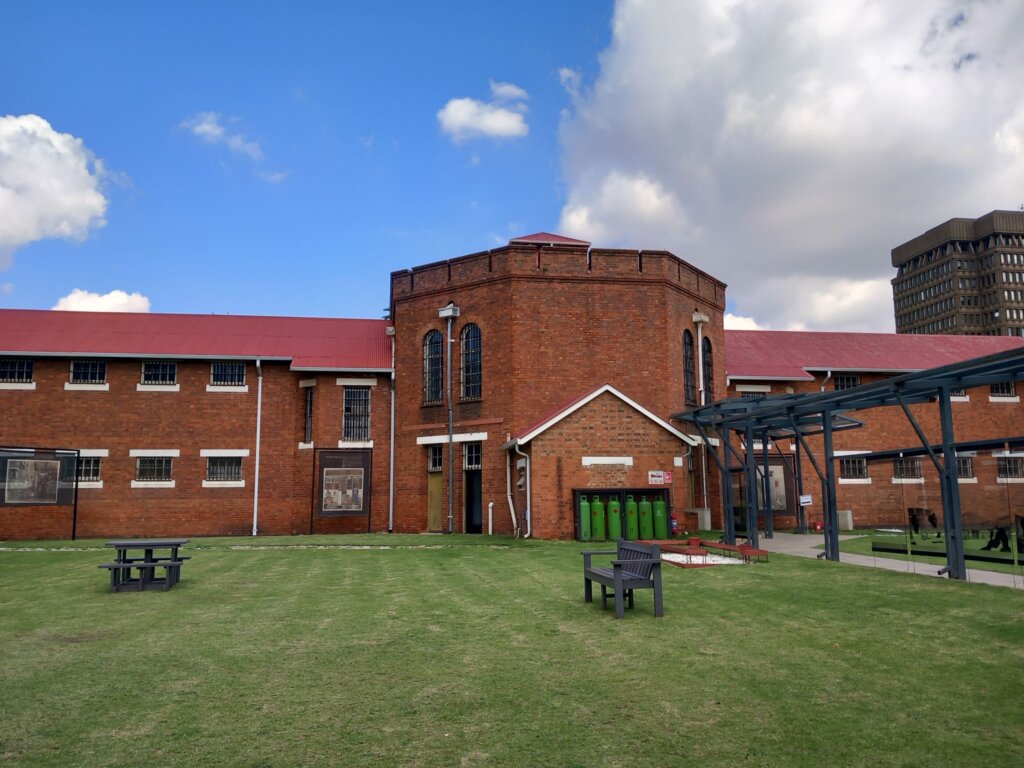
[[636, 566]]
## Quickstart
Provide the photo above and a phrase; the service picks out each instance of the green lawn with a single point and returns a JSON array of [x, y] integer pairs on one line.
[[461, 651]]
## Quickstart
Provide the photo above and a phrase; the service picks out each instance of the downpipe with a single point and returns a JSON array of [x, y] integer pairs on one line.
[[508, 493], [529, 497], [256, 478]]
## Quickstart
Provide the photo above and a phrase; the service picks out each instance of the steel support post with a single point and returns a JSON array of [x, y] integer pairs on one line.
[[769, 522], [831, 515], [751, 495], [728, 515], [951, 518], [801, 513]]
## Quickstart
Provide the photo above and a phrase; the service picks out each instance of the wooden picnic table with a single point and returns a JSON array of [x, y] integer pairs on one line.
[[146, 564]]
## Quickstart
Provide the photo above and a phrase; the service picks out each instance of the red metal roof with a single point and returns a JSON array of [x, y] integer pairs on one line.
[[792, 354], [546, 238], [310, 343]]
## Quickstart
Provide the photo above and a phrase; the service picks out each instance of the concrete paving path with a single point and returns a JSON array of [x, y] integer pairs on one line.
[[806, 545]]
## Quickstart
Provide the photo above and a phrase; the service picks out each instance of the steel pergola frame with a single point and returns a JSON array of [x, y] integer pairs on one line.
[[798, 416]]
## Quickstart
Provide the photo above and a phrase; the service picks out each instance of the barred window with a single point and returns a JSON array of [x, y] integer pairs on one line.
[[88, 469], [224, 468], [709, 371], [15, 370], [689, 375], [472, 368], [471, 455], [1010, 466], [964, 466], [153, 468], [159, 372], [853, 469], [846, 381], [88, 371], [228, 374], [434, 454], [356, 424], [958, 392], [1002, 389], [432, 359], [753, 395], [308, 416], [906, 469]]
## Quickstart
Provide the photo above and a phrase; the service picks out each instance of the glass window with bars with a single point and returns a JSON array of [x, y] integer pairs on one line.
[[753, 395], [154, 468], [227, 374], [432, 354], [1010, 466], [88, 371], [958, 392], [906, 469], [307, 416], [1002, 389], [88, 469], [15, 370], [964, 466], [434, 458], [159, 372], [853, 469], [471, 455], [224, 468], [356, 424], [846, 381], [689, 377], [709, 370], [472, 359]]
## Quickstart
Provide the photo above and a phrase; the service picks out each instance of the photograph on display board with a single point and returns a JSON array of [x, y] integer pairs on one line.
[[31, 481], [343, 489]]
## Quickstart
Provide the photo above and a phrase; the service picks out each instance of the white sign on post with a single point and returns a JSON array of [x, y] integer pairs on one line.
[[805, 500]]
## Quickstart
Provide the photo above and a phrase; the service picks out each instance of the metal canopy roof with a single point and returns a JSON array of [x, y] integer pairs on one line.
[[808, 409]]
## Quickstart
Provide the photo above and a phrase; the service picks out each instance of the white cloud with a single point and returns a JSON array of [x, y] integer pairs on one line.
[[207, 126], [7, 289], [790, 145], [115, 301], [737, 323], [274, 177], [49, 185], [502, 117]]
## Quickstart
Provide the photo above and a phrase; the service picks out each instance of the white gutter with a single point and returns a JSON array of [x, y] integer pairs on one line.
[[508, 492], [391, 461], [256, 479], [529, 498]]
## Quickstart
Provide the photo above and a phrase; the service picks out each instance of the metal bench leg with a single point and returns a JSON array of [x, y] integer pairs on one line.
[[588, 590], [620, 609]]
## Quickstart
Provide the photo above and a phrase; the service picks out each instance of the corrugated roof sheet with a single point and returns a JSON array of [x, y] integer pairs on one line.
[[310, 343], [546, 238], [792, 354]]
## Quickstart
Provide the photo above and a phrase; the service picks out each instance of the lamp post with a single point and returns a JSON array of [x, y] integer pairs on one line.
[[449, 312]]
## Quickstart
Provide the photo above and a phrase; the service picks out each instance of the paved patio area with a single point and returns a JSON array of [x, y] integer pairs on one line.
[[806, 545]]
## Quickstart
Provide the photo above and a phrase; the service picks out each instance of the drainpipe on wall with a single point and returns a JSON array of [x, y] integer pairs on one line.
[[529, 498], [699, 318], [825, 380], [391, 471], [256, 478]]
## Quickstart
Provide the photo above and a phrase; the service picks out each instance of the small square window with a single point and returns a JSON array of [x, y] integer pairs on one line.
[[154, 468], [88, 371], [853, 469], [1010, 466], [906, 469], [1002, 389], [159, 372], [434, 454], [228, 374], [224, 468], [964, 466], [88, 469], [958, 393], [753, 395], [15, 370], [846, 381]]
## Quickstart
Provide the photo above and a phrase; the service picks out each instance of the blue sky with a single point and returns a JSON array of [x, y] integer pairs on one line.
[[280, 158], [342, 100]]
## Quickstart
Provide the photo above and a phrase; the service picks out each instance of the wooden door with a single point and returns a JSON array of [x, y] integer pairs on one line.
[[435, 502]]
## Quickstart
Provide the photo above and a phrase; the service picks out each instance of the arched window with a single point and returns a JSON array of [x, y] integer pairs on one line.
[[709, 371], [432, 359], [472, 369], [689, 374]]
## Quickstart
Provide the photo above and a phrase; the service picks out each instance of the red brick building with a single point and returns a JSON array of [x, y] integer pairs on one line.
[[880, 493], [428, 422]]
